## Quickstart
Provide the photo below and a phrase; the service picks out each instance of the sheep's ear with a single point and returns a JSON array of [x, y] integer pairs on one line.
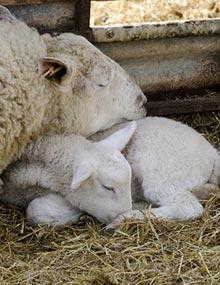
[[55, 69], [81, 174], [120, 138]]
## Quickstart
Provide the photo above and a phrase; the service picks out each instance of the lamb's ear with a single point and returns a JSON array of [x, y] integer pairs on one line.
[[120, 139], [55, 69], [81, 174]]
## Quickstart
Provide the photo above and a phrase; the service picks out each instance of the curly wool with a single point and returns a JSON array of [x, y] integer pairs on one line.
[[22, 100]]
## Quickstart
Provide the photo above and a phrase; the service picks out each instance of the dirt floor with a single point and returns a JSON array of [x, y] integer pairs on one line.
[[149, 252], [138, 11]]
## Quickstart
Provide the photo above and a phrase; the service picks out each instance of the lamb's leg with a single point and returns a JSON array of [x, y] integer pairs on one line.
[[51, 209], [174, 205], [203, 192]]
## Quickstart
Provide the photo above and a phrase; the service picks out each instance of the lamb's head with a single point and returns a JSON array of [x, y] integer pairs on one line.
[[96, 91], [101, 183]]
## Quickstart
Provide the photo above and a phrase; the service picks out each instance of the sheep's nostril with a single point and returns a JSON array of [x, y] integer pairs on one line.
[[141, 100], [144, 99]]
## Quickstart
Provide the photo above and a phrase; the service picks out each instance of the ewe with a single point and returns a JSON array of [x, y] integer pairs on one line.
[[60, 177], [88, 93], [169, 161]]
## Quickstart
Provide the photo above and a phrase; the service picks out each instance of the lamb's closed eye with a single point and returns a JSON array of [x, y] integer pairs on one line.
[[109, 188]]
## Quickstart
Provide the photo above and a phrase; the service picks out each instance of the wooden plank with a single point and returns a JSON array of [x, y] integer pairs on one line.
[[185, 106], [26, 2], [82, 14]]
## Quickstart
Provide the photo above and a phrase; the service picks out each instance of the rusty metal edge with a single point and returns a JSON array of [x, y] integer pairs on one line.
[[148, 31]]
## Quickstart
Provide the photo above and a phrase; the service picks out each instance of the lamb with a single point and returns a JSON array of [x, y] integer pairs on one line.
[[89, 92], [60, 177], [172, 167]]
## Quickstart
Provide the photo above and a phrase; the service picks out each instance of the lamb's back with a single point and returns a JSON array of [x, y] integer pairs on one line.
[[168, 151]]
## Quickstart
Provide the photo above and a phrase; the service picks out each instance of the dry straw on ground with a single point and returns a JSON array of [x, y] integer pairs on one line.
[[138, 11], [150, 252]]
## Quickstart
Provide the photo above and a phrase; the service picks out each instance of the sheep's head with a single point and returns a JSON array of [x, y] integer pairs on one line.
[[97, 91], [101, 182]]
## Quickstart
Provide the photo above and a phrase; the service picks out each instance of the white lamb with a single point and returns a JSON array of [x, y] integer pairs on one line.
[[171, 165], [60, 177], [169, 161]]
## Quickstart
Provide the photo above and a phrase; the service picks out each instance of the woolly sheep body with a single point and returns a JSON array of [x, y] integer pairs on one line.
[[31, 105], [22, 101]]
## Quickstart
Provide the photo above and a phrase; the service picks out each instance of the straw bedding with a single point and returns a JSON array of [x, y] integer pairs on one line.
[[138, 11], [149, 252]]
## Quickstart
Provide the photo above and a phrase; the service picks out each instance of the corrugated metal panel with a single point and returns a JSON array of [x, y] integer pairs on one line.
[[169, 64]]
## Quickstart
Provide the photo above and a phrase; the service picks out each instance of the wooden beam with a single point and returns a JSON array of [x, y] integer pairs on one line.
[[26, 2], [82, 16], [185, 106]]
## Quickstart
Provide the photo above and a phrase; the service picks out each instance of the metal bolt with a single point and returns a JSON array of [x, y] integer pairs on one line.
[[109, 34]]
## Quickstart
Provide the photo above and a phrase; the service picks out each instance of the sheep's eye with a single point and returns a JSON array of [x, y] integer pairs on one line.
[[109, 188], [101, 85]]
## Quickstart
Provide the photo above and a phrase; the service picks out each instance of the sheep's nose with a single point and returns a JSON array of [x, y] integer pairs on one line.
[[141, 100], [5, 14]]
